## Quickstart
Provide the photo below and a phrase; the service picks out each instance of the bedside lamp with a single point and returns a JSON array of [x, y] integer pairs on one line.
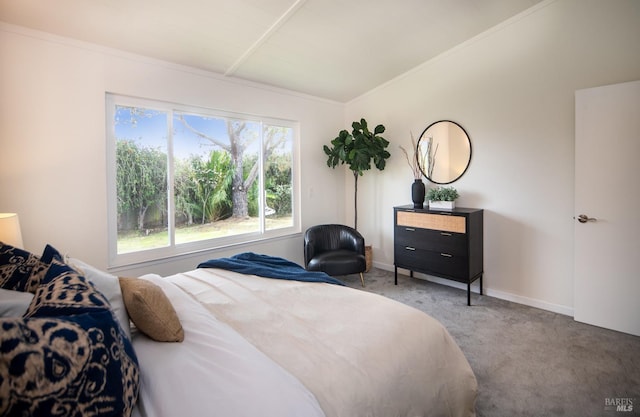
[[10, 230]]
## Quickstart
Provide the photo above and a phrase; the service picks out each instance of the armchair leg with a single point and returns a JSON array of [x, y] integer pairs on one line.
[[362, 278]]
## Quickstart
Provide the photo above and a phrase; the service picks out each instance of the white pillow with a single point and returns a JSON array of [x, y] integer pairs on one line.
[[14, 303], [109, 286]]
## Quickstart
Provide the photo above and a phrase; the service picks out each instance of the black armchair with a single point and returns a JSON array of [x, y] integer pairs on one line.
[[335, 249]]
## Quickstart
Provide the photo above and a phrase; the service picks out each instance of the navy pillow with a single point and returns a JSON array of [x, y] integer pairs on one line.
[[68, 356], [20, 270], [50, 254]]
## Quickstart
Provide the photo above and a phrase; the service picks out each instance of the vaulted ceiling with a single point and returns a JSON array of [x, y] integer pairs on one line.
[[336, 49]]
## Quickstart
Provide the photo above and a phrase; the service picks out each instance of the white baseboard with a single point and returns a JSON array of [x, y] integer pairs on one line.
[[475, 288]]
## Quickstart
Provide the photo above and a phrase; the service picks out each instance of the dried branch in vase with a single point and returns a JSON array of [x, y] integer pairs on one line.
[[413, 159], [429, 157]]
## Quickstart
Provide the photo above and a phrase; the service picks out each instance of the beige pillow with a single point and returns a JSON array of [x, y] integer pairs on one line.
[[150, 310]]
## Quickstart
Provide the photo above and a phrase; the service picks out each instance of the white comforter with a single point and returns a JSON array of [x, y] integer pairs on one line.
[[214, 372], [359, 354]]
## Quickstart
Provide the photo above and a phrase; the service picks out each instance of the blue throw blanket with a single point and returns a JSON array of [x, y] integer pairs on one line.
[[268, 266]]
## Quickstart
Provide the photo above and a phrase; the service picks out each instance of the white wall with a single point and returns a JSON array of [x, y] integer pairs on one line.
[[512, 89], [52, 139]]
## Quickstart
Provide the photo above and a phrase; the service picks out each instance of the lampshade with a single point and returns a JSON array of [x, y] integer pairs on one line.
[[10, 229]]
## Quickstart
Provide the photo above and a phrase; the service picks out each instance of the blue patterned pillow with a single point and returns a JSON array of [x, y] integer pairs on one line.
[[20, 270], [68, 356], [49, 254]]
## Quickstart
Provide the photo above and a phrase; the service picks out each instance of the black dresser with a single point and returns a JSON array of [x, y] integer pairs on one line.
[[442, 243]]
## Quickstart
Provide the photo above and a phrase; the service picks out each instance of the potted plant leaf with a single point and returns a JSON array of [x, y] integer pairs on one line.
[[358, 149], [442, 198]]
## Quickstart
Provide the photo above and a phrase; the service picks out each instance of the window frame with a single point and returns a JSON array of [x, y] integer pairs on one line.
[[116, 260]]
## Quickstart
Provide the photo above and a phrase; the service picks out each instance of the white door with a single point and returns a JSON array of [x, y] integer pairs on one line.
[[607, 190]]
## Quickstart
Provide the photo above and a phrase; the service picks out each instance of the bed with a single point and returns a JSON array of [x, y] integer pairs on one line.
[[239, 344]]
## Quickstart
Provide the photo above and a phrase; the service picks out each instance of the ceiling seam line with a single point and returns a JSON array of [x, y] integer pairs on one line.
[[265, 36]]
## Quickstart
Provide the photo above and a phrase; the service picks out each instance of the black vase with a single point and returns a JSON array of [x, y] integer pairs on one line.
[[417, 194]]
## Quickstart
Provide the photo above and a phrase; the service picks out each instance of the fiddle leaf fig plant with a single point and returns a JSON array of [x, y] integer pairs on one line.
[[358, 150]]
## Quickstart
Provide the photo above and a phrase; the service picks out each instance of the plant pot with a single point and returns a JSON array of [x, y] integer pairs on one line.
[[368, 255], [417, 193], [442, 205]]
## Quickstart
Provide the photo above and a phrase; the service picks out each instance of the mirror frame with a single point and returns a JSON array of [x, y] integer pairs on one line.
[[423, 158]]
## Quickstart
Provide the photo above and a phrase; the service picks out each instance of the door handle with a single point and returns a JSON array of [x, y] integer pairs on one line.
[[583, 218]]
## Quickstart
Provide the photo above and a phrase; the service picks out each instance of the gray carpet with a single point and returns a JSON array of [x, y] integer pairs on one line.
[[528, 362]]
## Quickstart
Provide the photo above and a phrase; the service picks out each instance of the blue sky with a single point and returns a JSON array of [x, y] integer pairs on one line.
[[149, 128]]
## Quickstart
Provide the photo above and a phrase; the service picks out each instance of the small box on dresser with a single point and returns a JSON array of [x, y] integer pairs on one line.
[[447, 244]]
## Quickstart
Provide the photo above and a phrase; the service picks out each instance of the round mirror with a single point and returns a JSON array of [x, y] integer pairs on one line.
[[444, 152]]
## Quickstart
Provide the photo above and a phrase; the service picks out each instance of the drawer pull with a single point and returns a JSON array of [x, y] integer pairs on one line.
[[448, 255], [409, 248], [445, 234], [409, 229]]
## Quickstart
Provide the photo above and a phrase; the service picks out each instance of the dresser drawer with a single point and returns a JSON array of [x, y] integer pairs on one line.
[[430, 262], [433, 240], [447, 223]]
